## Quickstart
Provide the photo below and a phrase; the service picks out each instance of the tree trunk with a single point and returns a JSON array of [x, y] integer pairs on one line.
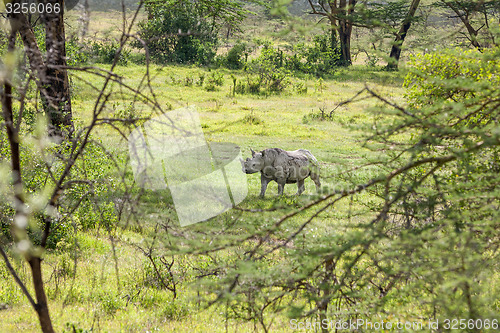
[[323, 303], [345, 45], [333, 34], [401, 35], [58, 95], [42, 308], [346, 10]]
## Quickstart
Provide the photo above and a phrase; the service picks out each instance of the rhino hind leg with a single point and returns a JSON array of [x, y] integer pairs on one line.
[[301, 187]]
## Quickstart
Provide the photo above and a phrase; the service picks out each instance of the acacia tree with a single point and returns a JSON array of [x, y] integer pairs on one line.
[[340, 16], [475, 15], [50, 183]]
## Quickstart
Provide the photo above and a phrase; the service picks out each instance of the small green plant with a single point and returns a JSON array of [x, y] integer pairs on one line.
[[74, 54], [252, 119], [126, 112], [175, 310], [300, 87], [109, 303], [188, 81], [320, 85], [322, 115], [201, 79], [75, 328], [214, 80], [253, 85]]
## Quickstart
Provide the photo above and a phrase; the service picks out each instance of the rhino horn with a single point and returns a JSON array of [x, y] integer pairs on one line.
[[253, 153]]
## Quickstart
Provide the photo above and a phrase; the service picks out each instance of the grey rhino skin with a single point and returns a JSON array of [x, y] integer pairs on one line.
[[284, 167]]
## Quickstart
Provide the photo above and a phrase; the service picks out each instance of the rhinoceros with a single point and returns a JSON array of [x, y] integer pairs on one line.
[[284, 167]]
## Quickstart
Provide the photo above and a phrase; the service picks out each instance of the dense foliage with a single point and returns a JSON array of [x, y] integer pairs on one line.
[[178, 32]]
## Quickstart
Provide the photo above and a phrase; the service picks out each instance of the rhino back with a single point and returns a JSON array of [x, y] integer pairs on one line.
[[287, 163]]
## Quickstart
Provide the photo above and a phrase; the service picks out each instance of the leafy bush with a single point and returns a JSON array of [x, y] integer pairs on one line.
[[237, 56], [318, 59], [252, 119], [76, 52], [105, 52], [214, 80], [267, 73], [84, 204], [178, 32], [271, 71]]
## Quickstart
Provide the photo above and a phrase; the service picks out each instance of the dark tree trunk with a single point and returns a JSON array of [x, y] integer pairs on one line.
[[346, 9], [323, 303], [345, 44], [340, 16], [42, 308], [333, 35], [58, 95], [401, 35]]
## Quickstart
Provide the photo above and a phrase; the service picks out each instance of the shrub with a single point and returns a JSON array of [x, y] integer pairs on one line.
[[178, 33], [300, 87], [214, 80], [105, 52], [237, 56], [268, 73], [252, 119], [76, 52], [318, 59]]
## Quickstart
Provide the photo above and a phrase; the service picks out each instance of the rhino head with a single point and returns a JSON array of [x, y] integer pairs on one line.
[[254, 164]]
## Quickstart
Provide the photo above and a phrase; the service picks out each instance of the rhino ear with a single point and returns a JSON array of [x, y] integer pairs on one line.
[[253, 153], [242, 162], [263, 153]]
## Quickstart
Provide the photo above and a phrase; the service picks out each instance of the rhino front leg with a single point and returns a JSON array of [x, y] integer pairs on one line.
[[263, 185], [301, 187]]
